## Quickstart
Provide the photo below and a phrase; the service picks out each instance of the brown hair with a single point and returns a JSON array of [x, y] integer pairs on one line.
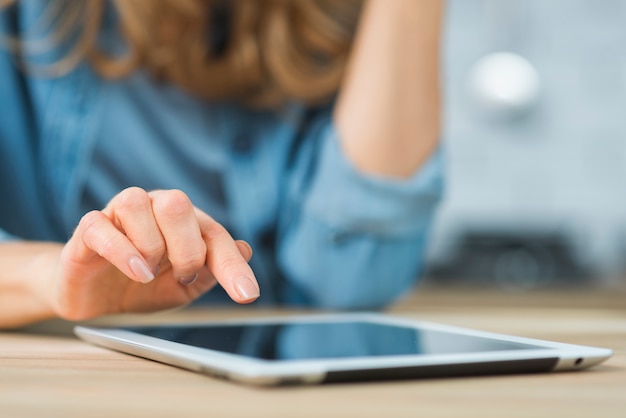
[[274, 50]]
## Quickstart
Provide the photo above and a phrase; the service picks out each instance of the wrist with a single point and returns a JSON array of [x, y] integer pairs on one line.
[[27, 272]]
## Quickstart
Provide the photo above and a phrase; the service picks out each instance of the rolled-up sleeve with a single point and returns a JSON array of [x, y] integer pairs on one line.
[[352, 240]]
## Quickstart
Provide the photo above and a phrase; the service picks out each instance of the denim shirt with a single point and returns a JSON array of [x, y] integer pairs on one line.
[[324, 234]]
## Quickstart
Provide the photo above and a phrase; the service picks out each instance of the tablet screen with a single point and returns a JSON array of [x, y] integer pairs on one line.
[[324, 340]]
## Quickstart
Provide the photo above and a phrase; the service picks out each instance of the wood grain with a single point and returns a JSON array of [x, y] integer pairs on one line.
[[46, 372]]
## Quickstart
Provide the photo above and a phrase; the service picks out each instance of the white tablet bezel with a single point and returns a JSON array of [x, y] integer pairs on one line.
[[265, 372]]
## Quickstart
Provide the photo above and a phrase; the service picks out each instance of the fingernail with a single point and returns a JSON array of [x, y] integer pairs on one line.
[[187, 280], [140, 270], [247, 288]]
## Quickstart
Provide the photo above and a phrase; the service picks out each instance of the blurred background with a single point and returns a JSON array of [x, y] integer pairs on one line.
[[535, 136]]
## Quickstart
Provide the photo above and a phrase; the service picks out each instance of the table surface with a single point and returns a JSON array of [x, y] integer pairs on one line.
[[45, 371]]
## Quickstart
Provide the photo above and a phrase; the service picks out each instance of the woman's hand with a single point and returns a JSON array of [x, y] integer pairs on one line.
[[148, 251]]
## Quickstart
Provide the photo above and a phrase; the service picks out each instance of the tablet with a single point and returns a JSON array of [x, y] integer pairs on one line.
[[339, 347]]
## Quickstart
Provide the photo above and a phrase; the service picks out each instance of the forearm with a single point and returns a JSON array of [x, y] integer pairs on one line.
[[26, 271], [388, 111]]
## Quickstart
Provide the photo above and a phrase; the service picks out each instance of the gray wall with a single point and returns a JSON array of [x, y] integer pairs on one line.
[[559, 166]]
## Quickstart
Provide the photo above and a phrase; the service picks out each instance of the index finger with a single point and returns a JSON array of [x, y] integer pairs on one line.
[[225, 262]]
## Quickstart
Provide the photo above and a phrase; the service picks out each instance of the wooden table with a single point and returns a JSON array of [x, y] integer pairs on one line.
[[46, 372]]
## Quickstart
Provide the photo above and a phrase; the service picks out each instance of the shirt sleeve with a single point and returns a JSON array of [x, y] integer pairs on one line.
[[351, 240], [5, 236], [23, 210], [13, 126]]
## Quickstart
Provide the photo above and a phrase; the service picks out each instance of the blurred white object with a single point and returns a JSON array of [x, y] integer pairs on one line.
[[504, 85]]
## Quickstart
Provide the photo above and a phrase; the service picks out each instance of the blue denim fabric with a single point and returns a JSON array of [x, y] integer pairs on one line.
[[324, 234]]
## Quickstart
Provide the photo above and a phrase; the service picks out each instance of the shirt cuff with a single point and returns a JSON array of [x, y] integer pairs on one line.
[[349, 201]]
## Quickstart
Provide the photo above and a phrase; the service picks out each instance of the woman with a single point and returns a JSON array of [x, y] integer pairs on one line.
[[157, 133]]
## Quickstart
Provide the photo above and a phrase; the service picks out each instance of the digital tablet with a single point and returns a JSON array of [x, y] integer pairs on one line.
[[339, 347]]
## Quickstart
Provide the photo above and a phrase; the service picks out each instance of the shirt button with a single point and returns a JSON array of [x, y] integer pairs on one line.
[[242, 144]]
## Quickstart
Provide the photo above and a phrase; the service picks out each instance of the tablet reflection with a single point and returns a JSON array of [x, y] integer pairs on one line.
[[319, 340]]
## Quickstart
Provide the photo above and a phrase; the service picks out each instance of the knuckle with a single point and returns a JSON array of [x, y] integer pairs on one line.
[[132, 198], [214, 231], [110, 246], [91, 227], [229, 262], [191, 262], [89, 222], [173, 204], [154, 249]]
